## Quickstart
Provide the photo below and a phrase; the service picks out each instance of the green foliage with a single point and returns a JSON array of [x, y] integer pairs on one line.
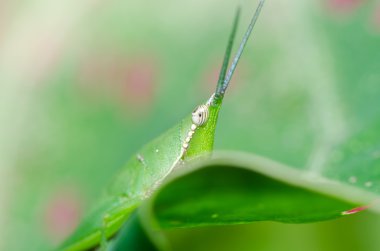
[[236, 188], [308, 99]]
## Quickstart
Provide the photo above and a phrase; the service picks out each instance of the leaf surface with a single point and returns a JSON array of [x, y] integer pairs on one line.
[[238, 188]]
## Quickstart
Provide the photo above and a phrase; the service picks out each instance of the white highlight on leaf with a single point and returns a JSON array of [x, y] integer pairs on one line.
[[214, 216], [368, 184], [376, 154], [352, 179]]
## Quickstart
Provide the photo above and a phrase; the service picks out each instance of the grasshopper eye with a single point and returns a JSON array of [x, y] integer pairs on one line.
[[200, 115]]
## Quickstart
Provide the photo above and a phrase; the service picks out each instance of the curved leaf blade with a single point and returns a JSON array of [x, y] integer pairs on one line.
[[241, 188], [238, 188]]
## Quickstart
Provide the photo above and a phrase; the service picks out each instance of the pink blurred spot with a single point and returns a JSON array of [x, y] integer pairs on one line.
[[211, 76], [343, 5], [62, 215], [210, 79], [46, 54], [354, 210], [129, 80], [376, 18], [139, 82]]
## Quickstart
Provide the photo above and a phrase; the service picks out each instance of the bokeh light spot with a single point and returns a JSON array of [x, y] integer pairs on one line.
[[140, 81], [376, 18], [62, 214], [211, 76], [130, 80], [343, 5]]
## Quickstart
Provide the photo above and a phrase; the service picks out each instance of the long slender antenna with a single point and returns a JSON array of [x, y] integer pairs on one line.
[[227, 54], [221, 90]]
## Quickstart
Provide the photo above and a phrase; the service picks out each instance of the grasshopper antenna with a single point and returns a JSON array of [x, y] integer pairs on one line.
[[227, 54], [222, 85]]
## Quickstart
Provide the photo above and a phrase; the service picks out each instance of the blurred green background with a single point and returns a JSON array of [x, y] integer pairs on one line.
[[84, 84]]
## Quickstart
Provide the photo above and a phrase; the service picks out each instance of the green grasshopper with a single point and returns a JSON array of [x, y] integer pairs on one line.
[[191, 138]]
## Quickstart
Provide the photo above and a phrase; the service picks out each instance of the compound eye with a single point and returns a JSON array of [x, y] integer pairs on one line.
[[200, 115]]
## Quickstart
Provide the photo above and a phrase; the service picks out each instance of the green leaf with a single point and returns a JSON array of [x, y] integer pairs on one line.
[[238, 188]]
